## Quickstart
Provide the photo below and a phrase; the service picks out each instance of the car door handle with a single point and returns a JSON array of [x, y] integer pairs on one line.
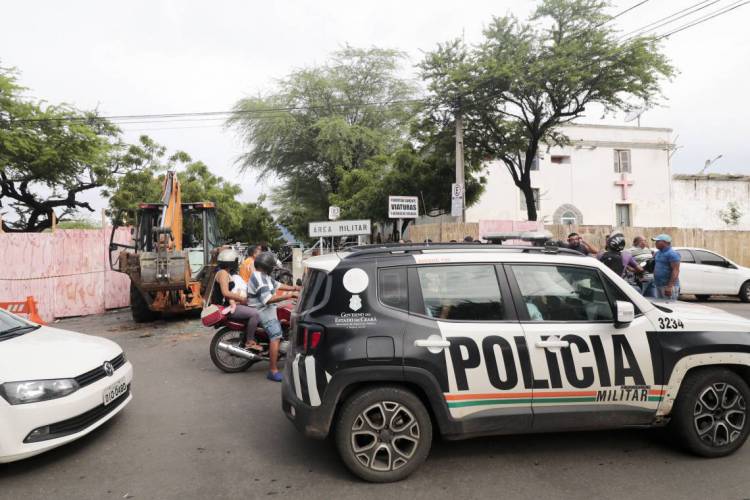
[[555, 344], [432, 343]]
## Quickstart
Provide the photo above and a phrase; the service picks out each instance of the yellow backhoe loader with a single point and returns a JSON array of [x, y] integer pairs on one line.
[[172, 259]]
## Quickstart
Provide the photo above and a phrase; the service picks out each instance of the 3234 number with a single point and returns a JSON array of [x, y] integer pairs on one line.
[[670, 323]]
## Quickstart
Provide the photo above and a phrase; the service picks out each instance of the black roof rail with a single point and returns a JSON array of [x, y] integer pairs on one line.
[[406, 248]]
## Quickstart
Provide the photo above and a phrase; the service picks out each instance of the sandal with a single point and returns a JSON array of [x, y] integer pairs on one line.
[[254, 347]]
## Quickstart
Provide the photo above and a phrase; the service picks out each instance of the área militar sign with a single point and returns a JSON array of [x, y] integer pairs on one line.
[[339, 228]]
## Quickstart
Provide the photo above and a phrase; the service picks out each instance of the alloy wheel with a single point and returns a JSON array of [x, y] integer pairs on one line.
[[720, 414], [385, 436]]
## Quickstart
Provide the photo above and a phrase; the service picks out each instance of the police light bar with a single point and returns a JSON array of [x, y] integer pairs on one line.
[[536, 238]]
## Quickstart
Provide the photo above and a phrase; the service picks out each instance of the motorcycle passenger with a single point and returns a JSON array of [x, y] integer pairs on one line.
[[230, 291], [619, 261], [262, 294]]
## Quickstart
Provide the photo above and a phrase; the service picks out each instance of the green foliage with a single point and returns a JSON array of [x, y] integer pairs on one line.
[[324, 127], [237, 221], [526, 79], [49, 154], [79, 224]]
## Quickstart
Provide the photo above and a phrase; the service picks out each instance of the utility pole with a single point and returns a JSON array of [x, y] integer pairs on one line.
[[460, 160]]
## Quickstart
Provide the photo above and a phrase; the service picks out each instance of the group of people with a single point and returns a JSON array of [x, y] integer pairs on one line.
[[654, 273], [250, 294]]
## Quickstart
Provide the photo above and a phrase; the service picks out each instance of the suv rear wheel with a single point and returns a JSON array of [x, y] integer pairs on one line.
[[710, 416], [383, 434]]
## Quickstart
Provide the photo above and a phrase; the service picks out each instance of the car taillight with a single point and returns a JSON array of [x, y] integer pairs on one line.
[[314, 339], [310, 337]]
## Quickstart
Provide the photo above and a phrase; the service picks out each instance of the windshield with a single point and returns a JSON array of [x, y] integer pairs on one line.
[[13, 325]]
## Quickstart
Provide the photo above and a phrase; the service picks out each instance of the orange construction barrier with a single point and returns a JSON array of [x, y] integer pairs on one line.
[[27, 307]]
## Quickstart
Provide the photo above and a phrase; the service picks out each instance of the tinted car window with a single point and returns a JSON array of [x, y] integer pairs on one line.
[[563, 293], [392, 287], [313, 289], [710, 259], [461, 292], [686, 256]]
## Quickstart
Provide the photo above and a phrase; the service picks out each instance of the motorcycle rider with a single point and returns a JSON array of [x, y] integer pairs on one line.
[[230, 291], [262, 292], [619, 261]]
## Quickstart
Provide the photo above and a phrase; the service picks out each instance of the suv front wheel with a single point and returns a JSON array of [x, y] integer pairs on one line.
[[383, 434], [710, 416]]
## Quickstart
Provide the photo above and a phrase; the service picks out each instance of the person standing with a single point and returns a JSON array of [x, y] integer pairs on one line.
[[642, 254], [247, 268], [666, 268]]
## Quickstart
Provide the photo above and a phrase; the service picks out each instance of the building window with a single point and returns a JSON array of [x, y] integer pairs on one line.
[[536, 199], [622, 160], [623, 215], [560, 159], [569, 219]]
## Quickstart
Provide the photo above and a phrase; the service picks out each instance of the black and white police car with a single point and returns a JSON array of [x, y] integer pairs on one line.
[[391, 345]]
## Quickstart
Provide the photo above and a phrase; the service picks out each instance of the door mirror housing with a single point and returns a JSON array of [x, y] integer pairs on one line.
[[625, 312]]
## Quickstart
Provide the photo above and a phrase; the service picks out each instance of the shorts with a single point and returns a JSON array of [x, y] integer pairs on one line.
[[270, 323]]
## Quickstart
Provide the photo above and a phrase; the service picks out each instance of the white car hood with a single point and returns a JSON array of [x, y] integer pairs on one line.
[[48, 353], [702, 317]]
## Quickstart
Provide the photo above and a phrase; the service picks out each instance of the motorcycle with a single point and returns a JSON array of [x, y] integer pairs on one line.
[[227, 353]]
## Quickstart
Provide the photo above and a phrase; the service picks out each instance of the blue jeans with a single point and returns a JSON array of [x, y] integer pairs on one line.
[[270, 323], [648, 289], [661, 295]]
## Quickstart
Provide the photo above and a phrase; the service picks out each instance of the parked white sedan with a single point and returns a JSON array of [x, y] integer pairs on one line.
[[55, 386], [704, 273]]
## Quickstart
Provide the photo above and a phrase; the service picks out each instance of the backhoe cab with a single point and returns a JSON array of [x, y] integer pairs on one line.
[[172, 258]]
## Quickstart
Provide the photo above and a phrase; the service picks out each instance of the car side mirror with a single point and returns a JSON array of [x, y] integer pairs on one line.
[[625, 312]]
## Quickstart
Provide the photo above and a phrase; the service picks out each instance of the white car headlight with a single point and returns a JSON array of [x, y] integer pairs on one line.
[[32, 391]]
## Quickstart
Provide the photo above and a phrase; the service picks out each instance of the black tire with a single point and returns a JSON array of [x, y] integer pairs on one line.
[[139, 307], [404, 433], [745, 292], [224, 361], [706, 430], [702, 298]]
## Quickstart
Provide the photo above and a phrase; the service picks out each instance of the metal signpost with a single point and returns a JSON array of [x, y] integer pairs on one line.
[[402, 207]]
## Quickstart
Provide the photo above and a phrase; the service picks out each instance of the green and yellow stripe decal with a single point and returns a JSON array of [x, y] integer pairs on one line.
[[538, 397]]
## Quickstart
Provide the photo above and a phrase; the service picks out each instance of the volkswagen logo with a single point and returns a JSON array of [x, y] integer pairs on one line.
[[108, 368]]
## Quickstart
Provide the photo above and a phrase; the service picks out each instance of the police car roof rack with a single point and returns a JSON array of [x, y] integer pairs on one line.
[[396, 249]]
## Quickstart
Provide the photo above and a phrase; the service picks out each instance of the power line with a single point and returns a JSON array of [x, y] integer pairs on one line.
[[219, 114], [705, 18], [625, 11], [655, 25]]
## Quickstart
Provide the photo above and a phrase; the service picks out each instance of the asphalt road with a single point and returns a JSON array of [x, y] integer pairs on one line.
[[192, 432]]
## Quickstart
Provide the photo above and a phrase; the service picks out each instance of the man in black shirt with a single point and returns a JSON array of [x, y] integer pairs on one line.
[[575, 242]]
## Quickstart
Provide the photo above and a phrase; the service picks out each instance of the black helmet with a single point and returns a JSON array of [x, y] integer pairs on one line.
[[265, 262], [616, 242]]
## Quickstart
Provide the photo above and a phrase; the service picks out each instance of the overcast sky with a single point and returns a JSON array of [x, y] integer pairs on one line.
[[172, 56]]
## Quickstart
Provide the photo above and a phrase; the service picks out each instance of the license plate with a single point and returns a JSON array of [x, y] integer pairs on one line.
[[114, 391]]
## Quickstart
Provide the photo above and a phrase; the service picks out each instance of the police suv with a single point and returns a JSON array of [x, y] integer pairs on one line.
[[392, 344]]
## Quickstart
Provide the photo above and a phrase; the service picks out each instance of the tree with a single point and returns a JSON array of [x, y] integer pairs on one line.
[[424, 170], [322, 123], [143, 183], [49, 155], [525, 79]]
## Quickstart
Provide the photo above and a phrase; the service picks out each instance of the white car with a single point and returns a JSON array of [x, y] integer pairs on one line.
[[55, 386], [704, 273]]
